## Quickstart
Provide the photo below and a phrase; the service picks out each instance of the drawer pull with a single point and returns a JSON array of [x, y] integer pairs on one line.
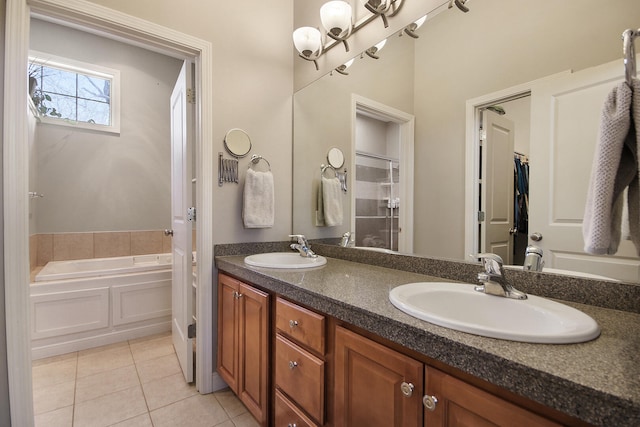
[[407, 389], [292, 364], [292, 425], [237, 295], [430, 402], [293, 323]]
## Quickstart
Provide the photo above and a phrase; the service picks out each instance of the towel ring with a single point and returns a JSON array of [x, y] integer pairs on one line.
[[255, 159], [629, 53], [323, 168]]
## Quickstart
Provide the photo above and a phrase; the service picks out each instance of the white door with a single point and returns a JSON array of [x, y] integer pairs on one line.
[[565, 117], [181, 150], [497, 185]]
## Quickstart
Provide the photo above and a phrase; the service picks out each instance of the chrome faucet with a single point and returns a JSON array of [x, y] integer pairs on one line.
[[302, 246], [493, 281], [533, 259], [347, 239]]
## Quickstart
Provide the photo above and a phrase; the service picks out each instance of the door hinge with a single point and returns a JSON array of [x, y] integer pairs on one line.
[[480, 216], [191, 96], [191, 331], [483, 135], [191, 214]]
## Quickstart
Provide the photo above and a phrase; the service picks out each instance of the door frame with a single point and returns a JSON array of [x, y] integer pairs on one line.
[[472, 154], [406, 123], [114, 24]]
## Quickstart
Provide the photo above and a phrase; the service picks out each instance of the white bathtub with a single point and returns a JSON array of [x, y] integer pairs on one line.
[[87, 303], [59, 270]]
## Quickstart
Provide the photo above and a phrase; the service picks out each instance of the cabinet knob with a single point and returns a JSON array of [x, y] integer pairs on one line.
[[407, 389], [292, 364], [430, 402], [293, 323], [237, 295]]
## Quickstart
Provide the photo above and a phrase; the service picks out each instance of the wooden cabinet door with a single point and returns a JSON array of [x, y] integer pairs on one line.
[[369, 380], [243, 343], [460, 404], [228, 345], [254, 350]]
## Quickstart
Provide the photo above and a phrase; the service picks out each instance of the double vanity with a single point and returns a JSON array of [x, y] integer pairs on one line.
[[326, 345]]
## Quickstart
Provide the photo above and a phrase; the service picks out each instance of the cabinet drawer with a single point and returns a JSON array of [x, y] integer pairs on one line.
[[287, 414], [300, 375], [304, 326]]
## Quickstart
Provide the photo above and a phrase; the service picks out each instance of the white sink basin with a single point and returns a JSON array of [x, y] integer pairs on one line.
[[460, 307], [284, 260]]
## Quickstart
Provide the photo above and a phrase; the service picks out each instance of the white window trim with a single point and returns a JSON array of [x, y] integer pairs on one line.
[[86, 68]]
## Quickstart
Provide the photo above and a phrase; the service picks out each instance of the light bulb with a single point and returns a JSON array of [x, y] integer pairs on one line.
[[307, 40], [336, 17]]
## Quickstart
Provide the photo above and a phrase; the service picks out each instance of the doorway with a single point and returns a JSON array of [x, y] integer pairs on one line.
[[382, 156], [503, 165], [15, 149]]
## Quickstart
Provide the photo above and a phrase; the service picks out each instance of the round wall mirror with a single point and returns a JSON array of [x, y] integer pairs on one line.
[[237, 142], [335, 157]]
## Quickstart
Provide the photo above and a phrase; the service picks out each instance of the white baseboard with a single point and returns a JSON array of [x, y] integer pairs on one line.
[[110, 337]]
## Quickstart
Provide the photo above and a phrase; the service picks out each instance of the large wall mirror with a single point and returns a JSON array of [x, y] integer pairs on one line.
[[458, 57]]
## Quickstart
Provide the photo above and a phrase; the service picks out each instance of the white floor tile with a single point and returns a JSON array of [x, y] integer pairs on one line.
[[110, 409], [165, 391], [157, 368], [56, 396], [196, 411], [62, 417], [93, 386], [113, 358]]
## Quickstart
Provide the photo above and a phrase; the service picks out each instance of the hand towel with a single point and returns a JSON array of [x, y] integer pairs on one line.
[[258, 208], [332, 201], [320, 207], [615, 168]]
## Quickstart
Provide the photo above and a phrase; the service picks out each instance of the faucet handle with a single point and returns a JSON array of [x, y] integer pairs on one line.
[[300, 238], [492, 263]]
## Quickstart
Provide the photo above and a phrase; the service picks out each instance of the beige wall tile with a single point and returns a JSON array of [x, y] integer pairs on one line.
[[166, 244], [45, 248], [112, 244], [146, 242], [33, 251], [68, 246]]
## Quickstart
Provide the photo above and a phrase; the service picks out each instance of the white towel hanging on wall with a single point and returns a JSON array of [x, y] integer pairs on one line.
[[258, 209]]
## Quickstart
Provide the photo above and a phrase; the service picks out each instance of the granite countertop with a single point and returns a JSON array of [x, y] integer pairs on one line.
[[597, 381]]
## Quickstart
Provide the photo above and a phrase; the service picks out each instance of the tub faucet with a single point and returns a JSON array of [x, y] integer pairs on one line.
[[302, 246], [493, 281]]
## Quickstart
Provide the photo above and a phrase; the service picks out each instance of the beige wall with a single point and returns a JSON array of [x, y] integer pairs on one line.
[[252, 87], [97, 181], [496, 45]]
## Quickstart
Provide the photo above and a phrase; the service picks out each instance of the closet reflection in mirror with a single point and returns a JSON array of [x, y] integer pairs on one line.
[[457, 58]]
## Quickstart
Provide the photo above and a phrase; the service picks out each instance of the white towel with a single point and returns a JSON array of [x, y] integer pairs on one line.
[[615, 168], [258, 208], [332, 201]]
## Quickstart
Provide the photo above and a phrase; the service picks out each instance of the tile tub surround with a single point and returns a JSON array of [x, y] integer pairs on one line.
[[47, 247], [597, 382]]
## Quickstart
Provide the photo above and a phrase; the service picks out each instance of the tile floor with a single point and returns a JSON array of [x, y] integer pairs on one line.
[[135, 383]]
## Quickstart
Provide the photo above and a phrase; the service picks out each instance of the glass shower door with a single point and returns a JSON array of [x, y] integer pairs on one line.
[[377, 201]]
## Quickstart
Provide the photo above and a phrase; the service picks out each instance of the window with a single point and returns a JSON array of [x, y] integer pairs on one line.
[[72, 93]]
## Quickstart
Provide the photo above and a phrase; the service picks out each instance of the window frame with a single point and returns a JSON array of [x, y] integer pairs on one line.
[[92, 70]]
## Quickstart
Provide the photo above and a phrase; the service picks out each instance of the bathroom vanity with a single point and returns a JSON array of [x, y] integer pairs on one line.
[[329, 349]]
